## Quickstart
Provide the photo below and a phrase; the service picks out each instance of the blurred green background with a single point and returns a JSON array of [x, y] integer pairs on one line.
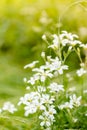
[[22, 24]]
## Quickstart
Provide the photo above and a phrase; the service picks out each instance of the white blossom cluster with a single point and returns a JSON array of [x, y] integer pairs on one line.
[[64, 39], [46, 91], [8, 106], [43, 90], [74, 102]]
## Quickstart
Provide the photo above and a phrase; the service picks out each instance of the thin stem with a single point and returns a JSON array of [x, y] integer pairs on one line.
[[66, 9], [15, 118], [78, 54]]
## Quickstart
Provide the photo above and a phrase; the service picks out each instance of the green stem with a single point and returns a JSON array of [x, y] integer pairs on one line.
[[78, 54], [67, 8]]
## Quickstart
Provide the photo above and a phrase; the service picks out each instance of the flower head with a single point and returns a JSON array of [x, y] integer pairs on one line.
[[8, 106]]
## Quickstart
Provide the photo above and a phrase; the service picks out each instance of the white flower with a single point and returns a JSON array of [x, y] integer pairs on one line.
[[31, 81], [82, 64], [55, 42], [39, 105], [68, 38], [81, 71], [66, 105], [63, 67], [72, 89], [47, 117], [0, 110], [45, 121], [41, 89], [54, 87], [42, 73], [86, 114], [30, 109], [25, 80], [24, 100], [85, 91], [67, 35], [31, 65], [69, 77], [50, 112], [28, 88], [56, 65], [74, 100], [29, 98], [9, 107], [75, 42], [56, 39], [84, 46], [65, 41], [32, 103], [43, 55], [46, 99], [75, 119], [44, 37]]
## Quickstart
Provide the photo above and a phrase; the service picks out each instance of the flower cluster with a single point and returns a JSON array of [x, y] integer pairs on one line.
[[8, 106], [74, 102], [44, 90], [44, 87]]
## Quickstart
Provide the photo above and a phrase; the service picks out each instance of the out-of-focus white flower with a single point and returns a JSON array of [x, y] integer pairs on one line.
[[31, 81], [75, 120], [85, 91], [75, 42], [86, 114], [23, 100], [55, 44], [8, 106], [28, 88], [25, 80], [0, 110], [81, 71], [56, 39], [82, 64], [75, 101], [64, 42], [31, 65], [66, 105], [70, 78], [70, 36], [84, 46], [72, 89], [54, 87], [44, 37], [43, 55]]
